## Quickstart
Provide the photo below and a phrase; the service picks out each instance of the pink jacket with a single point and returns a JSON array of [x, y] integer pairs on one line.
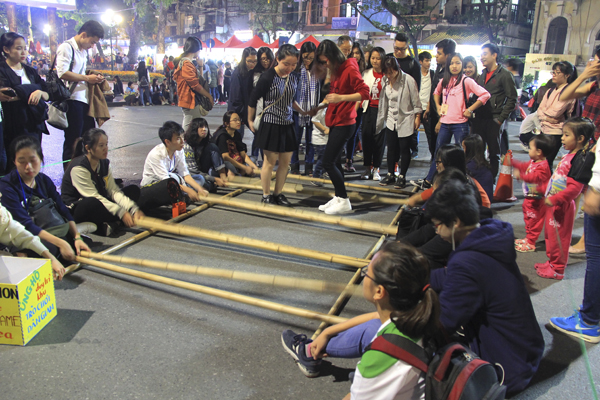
[[552, 109], [456, 100]]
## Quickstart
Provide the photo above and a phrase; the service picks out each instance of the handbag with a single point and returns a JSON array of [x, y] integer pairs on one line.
[[57, 115], [582, 164], [470, 101], [55, 87], [258, 118], [44, 214]]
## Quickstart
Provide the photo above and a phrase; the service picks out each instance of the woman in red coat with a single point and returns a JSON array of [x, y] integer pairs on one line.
[[346, 88]]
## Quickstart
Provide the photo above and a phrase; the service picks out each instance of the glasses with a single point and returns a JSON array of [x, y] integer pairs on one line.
[[438, 163], [363, 273], [554, 73], [321, 62], [436, 226], [400, 48], [251, 61]]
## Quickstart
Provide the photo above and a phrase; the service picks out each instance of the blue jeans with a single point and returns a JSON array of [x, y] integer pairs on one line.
[[352, 343], [590, 311], [319, 151], [211, 160], [144, 95], [310, 150], [460, 131]]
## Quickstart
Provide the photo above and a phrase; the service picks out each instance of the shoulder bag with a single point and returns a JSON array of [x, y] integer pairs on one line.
[[582, 164], [56, 88], [44, 214], [259, 117], [57, 110]]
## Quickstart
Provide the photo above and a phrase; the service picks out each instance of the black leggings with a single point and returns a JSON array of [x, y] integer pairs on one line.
[[398, 149], [338, 136], [373, 143], [90, 209], [556, 145]]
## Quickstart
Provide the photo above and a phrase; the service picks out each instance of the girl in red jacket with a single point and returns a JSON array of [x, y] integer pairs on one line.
[[560, 199], [346, 88]]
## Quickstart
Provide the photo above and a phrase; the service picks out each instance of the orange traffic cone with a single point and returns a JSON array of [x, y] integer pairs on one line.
[[504, 187]]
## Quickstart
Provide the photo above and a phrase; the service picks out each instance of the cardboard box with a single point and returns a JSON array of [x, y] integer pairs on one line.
[[27, 301]]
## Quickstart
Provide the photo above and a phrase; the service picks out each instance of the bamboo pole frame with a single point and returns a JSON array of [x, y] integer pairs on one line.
[[343, 298], [314, 285], [366, 226], [143, 235], [156, 224], [223, 294], [353, 185]]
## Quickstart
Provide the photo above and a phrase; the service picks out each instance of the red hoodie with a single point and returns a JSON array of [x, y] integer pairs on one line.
[[348, 80]]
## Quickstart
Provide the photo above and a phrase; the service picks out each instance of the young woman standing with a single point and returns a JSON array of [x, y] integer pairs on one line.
[[450, 100], [398, 116], [308, 98], [346, 88], [276, 136], [373, 142], [359, 55], [186, 76], [23, 93], [241, 86]]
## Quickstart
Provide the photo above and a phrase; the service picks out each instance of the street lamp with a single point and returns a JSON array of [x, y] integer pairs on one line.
[[111, 19]]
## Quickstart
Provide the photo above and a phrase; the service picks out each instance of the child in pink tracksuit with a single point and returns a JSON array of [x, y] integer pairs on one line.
[[560, 199], [535, 175]]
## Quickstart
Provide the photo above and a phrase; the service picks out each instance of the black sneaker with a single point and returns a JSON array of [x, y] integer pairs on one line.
[[281, 200], [316, 183], [295, 345], [268, 200], [400, 183], [387, 180]]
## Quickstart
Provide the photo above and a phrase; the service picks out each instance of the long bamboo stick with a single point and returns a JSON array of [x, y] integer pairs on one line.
[[269, 305], [343, 298], [143, 235], [366, 226], [315, 285], [352, 185], [295, 189], [192, 231]]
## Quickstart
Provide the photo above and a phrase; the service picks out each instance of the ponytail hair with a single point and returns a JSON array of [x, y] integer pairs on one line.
[[90, 139], [404, 273]]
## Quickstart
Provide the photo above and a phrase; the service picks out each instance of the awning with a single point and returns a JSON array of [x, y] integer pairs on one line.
[[233, 41], [255, 42], [274, 45], [311, 38], [460, 36]]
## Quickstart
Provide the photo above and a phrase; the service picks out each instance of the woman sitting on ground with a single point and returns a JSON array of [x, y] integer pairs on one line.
[[233, 150], [118, 86], [397, 283], [204, 157], [25, 188], [89, 190], [158, 97], [13, 234]]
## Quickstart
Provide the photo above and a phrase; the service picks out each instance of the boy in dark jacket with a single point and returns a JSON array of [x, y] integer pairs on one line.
[[481, 290], [499, 82]]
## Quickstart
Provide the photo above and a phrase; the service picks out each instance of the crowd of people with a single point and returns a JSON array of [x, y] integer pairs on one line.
[[450, 273]]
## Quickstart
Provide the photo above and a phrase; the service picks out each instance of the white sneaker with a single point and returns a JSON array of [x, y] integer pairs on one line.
[[376, 176], [328, 204], [342, 206], [86, 227]]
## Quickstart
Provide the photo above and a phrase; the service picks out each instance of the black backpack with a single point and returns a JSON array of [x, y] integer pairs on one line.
[[454, 372]]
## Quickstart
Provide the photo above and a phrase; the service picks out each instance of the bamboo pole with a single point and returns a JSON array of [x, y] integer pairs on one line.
[[156, 224], [143, 235], [352, 185], [315, 285], [223, 294], [343, 298], [366, 226], [296, 189]]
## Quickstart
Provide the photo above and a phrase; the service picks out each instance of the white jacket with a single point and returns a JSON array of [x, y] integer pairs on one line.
[[369, 79], [14, 234]]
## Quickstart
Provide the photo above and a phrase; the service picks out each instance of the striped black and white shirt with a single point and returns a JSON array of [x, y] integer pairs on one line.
[[270, 87]]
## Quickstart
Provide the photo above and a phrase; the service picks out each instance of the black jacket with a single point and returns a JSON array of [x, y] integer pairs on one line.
[[19, 117], [239, 94], [503, 93]]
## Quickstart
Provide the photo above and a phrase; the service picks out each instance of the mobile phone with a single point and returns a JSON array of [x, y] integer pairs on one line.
[[9, 92]]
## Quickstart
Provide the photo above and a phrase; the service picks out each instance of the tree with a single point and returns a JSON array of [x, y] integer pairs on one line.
[[411, 18], [21, 18], [268, 18], [489, 15]]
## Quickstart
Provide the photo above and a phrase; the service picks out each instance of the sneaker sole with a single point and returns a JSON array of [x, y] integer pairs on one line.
[[587, 338], [295, 357], [340, 212]]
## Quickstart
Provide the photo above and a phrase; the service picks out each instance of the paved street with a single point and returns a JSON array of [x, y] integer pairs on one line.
[[119, 337]]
